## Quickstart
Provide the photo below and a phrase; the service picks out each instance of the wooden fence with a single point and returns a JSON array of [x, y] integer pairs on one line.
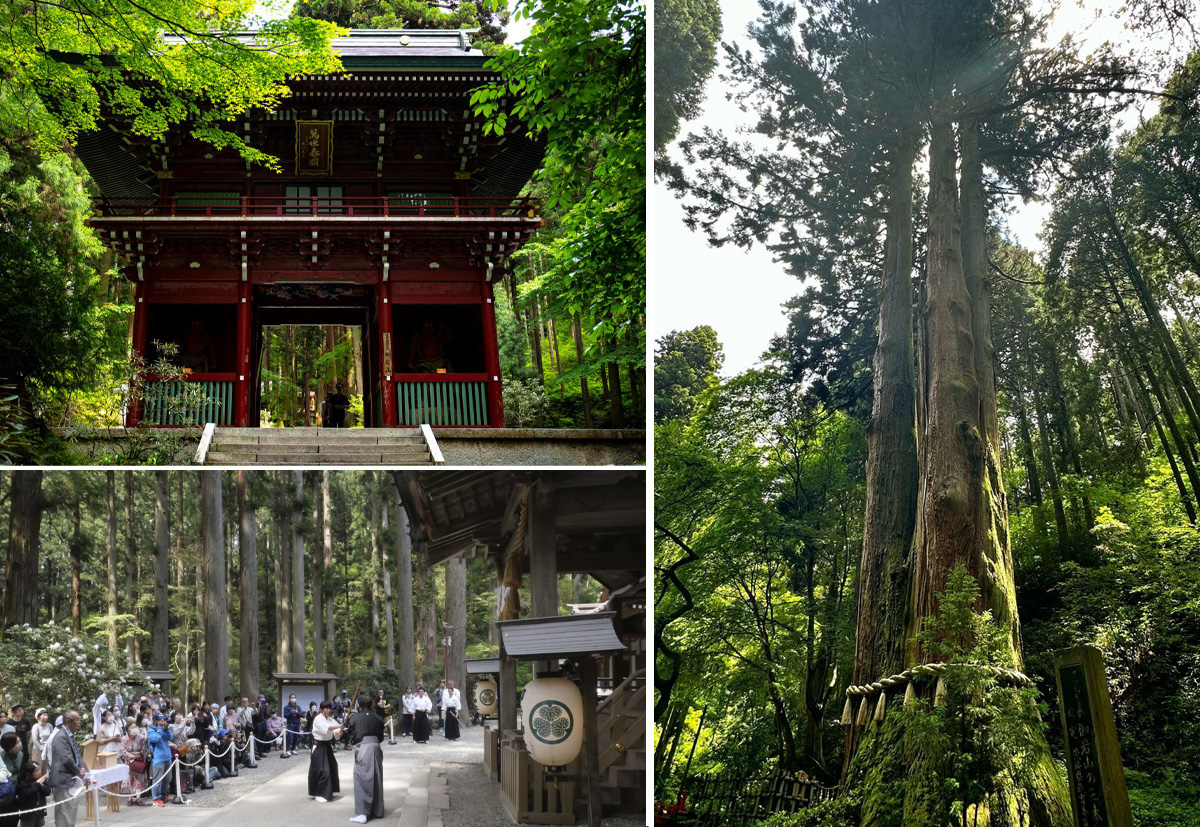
[[732, 801]]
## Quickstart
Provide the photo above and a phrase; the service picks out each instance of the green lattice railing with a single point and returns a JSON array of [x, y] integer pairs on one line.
[[459, 401], [165, 403]]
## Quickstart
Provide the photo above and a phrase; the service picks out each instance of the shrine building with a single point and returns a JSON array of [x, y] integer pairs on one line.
[[392, 213]]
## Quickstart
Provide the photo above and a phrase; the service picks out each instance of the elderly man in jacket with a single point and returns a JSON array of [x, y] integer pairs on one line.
[[66, 764]]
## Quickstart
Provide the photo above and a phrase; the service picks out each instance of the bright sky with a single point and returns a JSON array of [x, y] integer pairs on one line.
[[741, 293]]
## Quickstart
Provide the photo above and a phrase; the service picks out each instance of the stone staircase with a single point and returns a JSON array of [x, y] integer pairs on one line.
[[318, 446]]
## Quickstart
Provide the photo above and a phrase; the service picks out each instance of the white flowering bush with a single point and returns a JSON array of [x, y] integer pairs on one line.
[[48, 666]]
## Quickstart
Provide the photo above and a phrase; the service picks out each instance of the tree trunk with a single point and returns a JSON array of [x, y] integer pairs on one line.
[[1060, 513], [387, 593], [614, 392], [891, 475], [24, 530], [216, 614], [583, 382], [327, 567], [282, 624], [318, 580], [113, 562], [76, 570], [298, 648], [456, 617], [428, 636], [162, 562], [130, 568], [283, 552], [408, 673], [376, 571], [247, 590], [957, 502]]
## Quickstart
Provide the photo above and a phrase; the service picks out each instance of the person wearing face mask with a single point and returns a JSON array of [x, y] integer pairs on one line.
[[406, 708], [133, 753], [38, 736], [110, 731], [292, 714]]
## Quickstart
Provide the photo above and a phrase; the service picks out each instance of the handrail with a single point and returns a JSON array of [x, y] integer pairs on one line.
[[324, 206], [435, 453], [623, 686], [205, 441]]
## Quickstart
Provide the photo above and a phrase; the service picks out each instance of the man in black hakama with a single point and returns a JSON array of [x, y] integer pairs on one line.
[[452, 704], [323, 768], [368, 763], [422, 705]]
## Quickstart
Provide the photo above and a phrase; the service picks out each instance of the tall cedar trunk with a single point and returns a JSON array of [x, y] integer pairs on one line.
[[427, 634], [1066, 428], [318, 583], [1029, 458], [614, 392], [583, 382], [283, 553], [76, 571], [248, 590], [404, 588], [1138, 411], [216, 614], [298, 648], [1176, 366], [281, 652], [891, 474], [113, 562], [21, 569], [162, 563], [1184, 496], [557, 355], [327, 568], [456, 617], [376, 567], [952, 523], [387, 593], [536, 344], [1060, 513], [130, 567]]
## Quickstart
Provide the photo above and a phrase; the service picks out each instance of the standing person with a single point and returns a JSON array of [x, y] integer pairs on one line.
[[312, 713], [421, 708], [110, 731], [323, 768], [260, 714], [66, 764], [5, 726], [11, 761], [368, 763], [38, 737], [133, 754], [21, 725], [98, 708], [451, 706], [406, 707], [158, 739], [336, 405], [31, 794], [292, 713], [437, 702]]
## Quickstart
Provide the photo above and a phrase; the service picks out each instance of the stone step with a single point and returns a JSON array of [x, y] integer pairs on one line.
[[317, 435], [314, 448], [284, 457], [415, 812]]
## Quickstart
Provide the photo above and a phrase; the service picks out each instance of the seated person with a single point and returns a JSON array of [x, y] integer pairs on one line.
[[427, 354]]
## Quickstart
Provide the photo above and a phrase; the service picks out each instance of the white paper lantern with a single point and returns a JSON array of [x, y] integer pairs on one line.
[[485, 697], [552, 711]]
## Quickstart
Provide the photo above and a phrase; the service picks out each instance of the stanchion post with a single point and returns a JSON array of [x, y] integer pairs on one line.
[[391, 732], [179, 799], [95, 793]]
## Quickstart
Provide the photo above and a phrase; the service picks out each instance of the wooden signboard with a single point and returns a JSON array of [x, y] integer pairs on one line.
[[1098, 793], [314, 147]]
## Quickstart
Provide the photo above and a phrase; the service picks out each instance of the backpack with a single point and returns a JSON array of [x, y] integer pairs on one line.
[[8, 789]]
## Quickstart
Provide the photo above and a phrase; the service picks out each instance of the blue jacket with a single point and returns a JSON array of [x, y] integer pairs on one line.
[[159, 739], [293, 714]]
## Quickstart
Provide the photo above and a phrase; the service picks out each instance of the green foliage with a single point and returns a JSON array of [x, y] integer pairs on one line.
[[578, 83], [47, 666], [411, 14], [685, 53], [373, 679], [525, 404], [167, 62], [1163, 801], [684, 364]]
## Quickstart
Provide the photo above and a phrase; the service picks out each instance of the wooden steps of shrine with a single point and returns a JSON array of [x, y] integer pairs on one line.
[[317, 446]]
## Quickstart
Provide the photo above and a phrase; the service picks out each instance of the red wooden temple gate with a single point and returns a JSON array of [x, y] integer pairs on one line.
[[392, 212]]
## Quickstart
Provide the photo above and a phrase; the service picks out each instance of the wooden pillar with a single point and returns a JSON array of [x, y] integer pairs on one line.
[[508, 693], [491, 357], [540, 550], [241, 399], [140, 310], [591, 745], [387, 389]]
